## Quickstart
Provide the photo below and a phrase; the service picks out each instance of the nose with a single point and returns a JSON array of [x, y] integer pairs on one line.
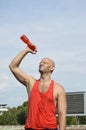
[[41, 63]]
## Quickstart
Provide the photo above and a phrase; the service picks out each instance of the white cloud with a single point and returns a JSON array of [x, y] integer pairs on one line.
[[3, 86], [3, 82]]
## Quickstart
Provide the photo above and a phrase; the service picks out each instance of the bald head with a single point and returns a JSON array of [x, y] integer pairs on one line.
[[50, 60], [49, 64]]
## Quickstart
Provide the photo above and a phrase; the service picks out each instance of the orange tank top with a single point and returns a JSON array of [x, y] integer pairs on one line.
[[41, 108]]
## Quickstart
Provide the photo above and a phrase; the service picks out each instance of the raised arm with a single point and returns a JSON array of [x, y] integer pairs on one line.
[[14, 67]]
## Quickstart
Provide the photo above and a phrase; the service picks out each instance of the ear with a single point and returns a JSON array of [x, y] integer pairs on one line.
[[52, 68]]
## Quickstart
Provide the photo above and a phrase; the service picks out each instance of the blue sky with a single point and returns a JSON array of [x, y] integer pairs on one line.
[[58, 28]]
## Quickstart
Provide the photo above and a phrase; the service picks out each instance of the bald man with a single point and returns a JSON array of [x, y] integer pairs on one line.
[[45, 96]]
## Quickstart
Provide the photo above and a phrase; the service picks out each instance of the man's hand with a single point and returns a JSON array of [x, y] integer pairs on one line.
[[30, 50]]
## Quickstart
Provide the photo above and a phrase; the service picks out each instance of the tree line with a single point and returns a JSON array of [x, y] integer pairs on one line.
[[17, 116]]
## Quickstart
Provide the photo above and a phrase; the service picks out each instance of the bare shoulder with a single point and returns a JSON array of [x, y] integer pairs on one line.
[[59, 88], [30, 81], [59, 94]]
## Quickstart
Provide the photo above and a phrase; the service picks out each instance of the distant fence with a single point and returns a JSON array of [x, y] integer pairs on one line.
[[21, 127]]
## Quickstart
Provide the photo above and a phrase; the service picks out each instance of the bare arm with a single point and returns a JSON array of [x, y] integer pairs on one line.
[[14, 67], [62, 109]]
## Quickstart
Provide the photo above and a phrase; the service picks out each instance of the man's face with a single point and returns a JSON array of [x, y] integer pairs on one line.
[[45, 65]]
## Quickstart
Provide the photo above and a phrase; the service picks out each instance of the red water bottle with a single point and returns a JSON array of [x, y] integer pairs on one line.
[[27, 41]]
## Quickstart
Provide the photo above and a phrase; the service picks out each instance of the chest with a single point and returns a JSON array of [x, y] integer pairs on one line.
[[43, 88]]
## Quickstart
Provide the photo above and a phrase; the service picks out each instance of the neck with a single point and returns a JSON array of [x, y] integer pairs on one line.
[[45, 77]]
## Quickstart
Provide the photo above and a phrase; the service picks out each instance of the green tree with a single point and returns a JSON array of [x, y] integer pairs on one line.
[[9, 117], [22, 113], [71, 120], [14, 116], [82, 119]]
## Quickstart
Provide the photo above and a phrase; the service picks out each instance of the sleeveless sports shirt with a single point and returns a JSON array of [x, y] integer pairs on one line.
[[41, 108]]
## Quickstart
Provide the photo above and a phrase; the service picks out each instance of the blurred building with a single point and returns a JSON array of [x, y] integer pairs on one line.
[[76, 103], [3, 107]]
